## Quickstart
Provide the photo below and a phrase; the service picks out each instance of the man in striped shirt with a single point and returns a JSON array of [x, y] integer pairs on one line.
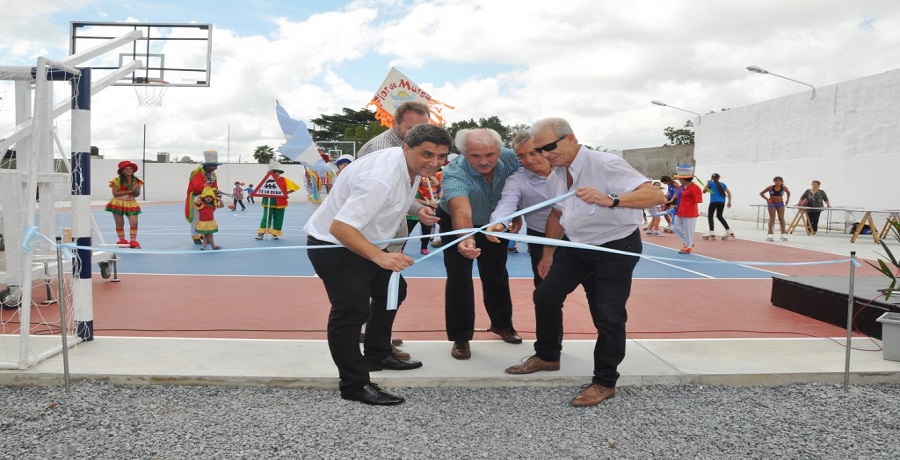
[[473, 183], [406, 116]]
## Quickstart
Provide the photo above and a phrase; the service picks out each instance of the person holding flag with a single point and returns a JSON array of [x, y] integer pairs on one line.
[[274, 206], [318, 180]]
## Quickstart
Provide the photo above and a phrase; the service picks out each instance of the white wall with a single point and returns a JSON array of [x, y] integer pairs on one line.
[[848, 138], [168, 181]]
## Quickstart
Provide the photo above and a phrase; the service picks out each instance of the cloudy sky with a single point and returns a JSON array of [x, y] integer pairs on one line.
[[597, 63]]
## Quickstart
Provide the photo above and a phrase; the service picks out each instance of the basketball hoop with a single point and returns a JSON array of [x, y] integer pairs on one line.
[[151, 94]]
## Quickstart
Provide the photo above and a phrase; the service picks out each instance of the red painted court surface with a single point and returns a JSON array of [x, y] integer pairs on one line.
[[297, 308]]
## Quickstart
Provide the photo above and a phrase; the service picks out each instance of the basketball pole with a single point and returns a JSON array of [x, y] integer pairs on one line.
[[144, 163]]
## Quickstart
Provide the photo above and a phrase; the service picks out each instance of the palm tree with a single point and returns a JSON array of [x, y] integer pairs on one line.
[[263, 154]]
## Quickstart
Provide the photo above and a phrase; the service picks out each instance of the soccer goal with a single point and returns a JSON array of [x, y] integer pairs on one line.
[[46, 296]]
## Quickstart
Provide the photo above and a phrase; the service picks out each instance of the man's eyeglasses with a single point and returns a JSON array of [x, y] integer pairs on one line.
[[551, 146], [525, 156]]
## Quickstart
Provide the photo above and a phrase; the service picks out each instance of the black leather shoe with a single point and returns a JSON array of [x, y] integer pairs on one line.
[[372, 394], [394, 364]]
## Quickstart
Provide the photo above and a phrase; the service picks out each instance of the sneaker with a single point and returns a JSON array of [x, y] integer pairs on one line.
[[122, 241], [259, 236], [274, 237], [514, 250], [435, 242], [657, 233], [134, 244], [424, 252], [685, 250]]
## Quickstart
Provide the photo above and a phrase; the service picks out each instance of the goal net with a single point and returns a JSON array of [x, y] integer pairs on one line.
[[36, 187]]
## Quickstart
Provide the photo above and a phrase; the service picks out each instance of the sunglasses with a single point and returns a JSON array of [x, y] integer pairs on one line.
[[525, 156], [551, 146]]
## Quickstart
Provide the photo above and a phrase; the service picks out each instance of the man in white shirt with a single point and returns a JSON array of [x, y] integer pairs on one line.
[[605, 211], [366, 206]]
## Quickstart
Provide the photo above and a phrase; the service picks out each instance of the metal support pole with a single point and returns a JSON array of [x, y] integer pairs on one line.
[[144, 163], [850, 301], [63, 323]]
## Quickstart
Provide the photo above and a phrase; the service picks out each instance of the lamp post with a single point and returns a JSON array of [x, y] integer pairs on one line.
[[663, 104], [761, 71]]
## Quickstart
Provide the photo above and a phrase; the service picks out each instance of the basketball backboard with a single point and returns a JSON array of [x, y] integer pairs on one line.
[[175, 54]]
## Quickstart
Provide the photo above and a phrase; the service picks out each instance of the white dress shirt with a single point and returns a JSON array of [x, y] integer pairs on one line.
[[607, 173], [373, 195]]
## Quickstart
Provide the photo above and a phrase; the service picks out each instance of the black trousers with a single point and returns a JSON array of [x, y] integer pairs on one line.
[[612, 286], [459, 292], [814, 219], [716, 208], [350, 281], [426, 231]]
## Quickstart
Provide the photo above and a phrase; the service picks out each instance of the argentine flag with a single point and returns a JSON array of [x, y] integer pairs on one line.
[[299, 145]]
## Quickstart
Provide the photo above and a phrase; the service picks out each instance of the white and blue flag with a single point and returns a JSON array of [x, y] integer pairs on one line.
[[299, 145]]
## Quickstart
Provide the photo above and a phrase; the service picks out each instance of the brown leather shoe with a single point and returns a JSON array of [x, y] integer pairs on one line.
[[508, 334], [532, 365], [400, 354], [592, 394], [396, 341], [461, 350]]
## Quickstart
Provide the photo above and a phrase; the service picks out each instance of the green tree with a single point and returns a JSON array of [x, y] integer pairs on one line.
[[492, 122], [335, 127], [683, 136], [263, 154]]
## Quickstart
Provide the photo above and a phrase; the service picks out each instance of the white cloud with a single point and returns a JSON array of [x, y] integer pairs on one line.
[[596, 63]]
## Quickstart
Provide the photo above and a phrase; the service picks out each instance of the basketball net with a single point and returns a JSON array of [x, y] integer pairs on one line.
[[151, 94]]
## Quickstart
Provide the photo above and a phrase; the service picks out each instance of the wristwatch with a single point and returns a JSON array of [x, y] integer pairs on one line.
[[615, 199]]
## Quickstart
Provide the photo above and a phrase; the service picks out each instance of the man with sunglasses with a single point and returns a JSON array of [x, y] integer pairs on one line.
[[524, 188], [473, 183], [604, 212]]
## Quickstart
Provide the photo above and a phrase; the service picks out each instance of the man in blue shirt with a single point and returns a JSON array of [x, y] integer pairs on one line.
[[473, 184]]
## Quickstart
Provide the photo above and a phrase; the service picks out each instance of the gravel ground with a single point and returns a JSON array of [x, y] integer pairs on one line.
[[106, 421]]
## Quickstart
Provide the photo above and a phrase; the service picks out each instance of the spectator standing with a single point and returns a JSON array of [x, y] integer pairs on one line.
[[815, 198]]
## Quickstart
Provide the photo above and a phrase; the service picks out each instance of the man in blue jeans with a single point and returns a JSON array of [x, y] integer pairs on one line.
[[605, 212]]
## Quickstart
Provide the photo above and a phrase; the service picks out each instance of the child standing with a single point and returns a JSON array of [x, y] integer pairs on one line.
[[238, 195], [653, 228], [125, 188], [206, 205], [690, 196], [249, 191]]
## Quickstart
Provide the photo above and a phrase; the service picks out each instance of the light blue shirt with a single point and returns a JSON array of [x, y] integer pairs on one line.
[[461, 180], [523, 189]]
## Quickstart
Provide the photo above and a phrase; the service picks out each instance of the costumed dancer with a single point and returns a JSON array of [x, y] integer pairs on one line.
[[318, 181], [273, 207], [202, 177], [206, 205], [125, 188]]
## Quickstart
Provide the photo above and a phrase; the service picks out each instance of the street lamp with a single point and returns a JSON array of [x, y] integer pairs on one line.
[[760, 70], [663, 104]]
